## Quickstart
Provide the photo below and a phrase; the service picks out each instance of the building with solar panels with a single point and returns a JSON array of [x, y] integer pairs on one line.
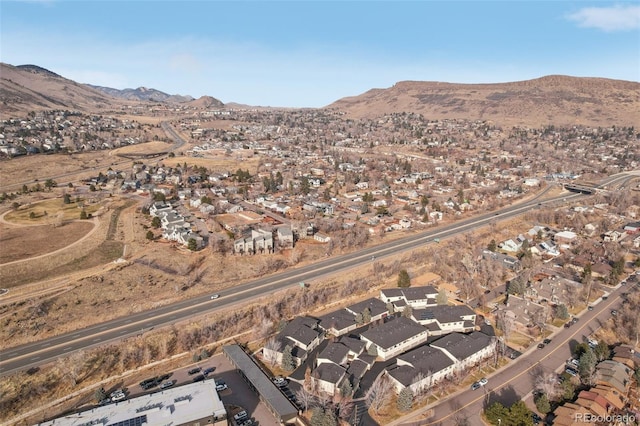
[[191, 404]]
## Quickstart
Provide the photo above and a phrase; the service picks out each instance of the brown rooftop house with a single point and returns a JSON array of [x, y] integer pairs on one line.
[[625, 354], [594, 402], [611, 395], [571, 414]]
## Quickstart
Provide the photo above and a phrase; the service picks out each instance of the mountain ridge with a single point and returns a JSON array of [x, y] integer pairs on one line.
[[553, 99], [547, 100]]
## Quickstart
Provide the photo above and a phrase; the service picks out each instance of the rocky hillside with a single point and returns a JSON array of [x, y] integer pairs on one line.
[[29, 87], [26, 88], [558, 100]]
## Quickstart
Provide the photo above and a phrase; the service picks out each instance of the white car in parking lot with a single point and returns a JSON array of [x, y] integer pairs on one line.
[[118, 396]]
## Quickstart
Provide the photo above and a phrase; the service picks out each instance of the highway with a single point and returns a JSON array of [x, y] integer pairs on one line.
[[40, 352]]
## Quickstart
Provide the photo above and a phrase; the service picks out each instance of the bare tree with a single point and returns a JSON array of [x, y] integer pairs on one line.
[[273, 346], [506, 323], [344, 407], [379, 393], [305, 397], [546, 382]]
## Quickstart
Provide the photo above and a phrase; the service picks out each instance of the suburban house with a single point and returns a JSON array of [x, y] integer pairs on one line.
[[525, 312], [420, 369], [334, 352], [416, 297], [159, 209], [327, 377], [285, 237], [301, 333], [338, 322], [260, 240], [614, 374], [374, 308], [444, 319], [466, 350], [394, 337]]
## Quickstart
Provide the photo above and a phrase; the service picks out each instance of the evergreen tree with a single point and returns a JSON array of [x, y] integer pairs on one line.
[[288, 363], [405, 399], [404, 280], [542, 404], [441, 298], [366, 315]]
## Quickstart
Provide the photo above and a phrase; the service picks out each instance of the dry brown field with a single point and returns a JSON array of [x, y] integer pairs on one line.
[[20, 243], [142, 148], [59, 167], [217, 163]]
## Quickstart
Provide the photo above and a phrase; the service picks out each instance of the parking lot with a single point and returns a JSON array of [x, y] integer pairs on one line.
[[236, 397]]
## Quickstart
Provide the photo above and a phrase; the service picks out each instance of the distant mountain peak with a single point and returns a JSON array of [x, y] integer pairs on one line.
[[142, 94]]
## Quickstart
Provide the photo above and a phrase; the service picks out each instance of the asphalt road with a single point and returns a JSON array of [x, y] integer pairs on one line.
[[40, 352], [36, 353], [516, 381]]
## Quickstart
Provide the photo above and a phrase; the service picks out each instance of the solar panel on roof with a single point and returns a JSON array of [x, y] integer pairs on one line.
[[136, 421]]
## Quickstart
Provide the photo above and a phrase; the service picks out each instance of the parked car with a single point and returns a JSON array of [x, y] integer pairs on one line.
[[168, 384], [118, 396], [279, 381], [541, 345], [614, 312], [215, 296], [194, 371], [222, 387], [590, 308], [149, 383], [568, 324], [242, 415], [480, 383], [573, 363], [199, 378], [571, 371], [546, 341], [208, 371]]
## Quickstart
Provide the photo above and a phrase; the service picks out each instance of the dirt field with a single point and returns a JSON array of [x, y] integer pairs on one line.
[[18, 243], [218, 164], [143, 148]]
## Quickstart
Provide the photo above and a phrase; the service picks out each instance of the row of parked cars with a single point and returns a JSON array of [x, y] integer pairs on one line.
[[160, 381]]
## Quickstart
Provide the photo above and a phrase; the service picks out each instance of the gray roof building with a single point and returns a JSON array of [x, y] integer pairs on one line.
[[462, 346], [395, 336], [335, 353], [376, 307], [340, 321], [276, 402], [423, 360], [330, 373]]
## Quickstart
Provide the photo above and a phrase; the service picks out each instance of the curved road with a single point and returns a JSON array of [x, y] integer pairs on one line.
[[36, 353]]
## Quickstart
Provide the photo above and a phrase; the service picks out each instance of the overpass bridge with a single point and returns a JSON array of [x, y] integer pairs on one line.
[[584, 189]]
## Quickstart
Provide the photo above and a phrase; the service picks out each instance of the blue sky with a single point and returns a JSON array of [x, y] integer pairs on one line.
[[311, 53]]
